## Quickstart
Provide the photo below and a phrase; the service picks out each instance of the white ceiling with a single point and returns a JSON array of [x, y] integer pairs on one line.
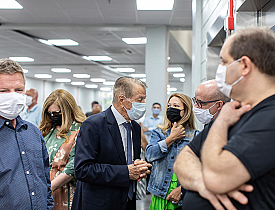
[[98, 26]]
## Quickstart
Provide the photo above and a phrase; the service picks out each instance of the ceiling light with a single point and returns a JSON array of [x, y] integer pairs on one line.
[[168, 58], [108, 83], [10, 4], [43, 76], [143, 79], [138, 75], [97, 80], [179, 75], [78, 83], [91, 86], [182, 79], [137, 40], [81, 75], [61, 70], [97, 58], [174, 69], [45, 42], [25, 71], [172, 89], [105, 89], [125, 69], [62, 80], [22, 59], [155, 4], [63, 42]]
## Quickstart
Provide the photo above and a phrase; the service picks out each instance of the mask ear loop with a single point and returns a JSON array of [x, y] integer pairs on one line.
[[213, 106]]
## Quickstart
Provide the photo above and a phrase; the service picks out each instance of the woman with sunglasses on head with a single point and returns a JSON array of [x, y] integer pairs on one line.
[[61, 119], [176, 131]]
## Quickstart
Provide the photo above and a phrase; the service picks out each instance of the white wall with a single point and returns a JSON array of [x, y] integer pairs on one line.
[[83, 96]]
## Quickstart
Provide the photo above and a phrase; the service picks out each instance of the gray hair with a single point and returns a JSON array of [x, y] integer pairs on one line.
[[126, 86], [8, 66]]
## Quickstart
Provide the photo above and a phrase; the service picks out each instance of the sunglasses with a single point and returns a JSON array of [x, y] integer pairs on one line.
[[55, 113], [201, 103]]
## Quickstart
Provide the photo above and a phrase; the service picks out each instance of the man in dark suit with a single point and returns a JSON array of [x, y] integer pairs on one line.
[[106, 146]]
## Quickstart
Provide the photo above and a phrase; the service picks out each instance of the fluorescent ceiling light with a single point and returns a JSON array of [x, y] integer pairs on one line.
[[182, 79], [172, 89], [97, 80], [105, 89], [143, 79], [25, 71], [91, 86], [179, 75], [125, 69], [45, 42], [138, 75], [61, 70], [137, 40], [108, 83], [168, 58], [97, 58], [10, 4], [155, 4], [62, 80], [43, 76], [81, 75], [63, 42], [174, 69], [22, 59], [78, 83]]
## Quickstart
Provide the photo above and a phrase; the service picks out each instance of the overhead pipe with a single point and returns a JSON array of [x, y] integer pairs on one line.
[[229, 22]]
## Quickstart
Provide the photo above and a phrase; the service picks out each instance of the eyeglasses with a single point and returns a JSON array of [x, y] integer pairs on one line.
[[201, 103], [55, 113]]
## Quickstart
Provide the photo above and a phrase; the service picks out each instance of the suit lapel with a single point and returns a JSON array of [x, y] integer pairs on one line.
[[136, 140], [115, 133]]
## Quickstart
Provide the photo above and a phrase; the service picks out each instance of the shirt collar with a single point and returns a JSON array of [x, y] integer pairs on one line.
[[33, 108], [19, 122], [119, 118]]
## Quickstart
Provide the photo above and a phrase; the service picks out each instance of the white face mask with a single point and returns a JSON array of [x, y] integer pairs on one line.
[[28, 100], [220, 79], [11, 104], [137, 111], [203, 115]]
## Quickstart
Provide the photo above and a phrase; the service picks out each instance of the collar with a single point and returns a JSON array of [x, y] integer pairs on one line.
[[33, 108], [119, 118], [19, 122]]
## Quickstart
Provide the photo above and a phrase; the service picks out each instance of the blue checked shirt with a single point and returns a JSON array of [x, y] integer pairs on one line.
[[24, 167]]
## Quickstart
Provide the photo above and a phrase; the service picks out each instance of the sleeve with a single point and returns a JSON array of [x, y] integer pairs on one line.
[[50, 201], [145, 122], [254, 144], [157, 148], [69, 168], [88, 167]]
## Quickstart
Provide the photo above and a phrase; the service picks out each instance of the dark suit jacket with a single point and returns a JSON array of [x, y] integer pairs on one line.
[[100, 164]]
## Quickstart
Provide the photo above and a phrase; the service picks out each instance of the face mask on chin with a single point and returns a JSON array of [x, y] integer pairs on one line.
[[137, 111], [11, 104], [203, 115], [221, 76]]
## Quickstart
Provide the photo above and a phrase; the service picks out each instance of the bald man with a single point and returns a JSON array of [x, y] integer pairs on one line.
[[34, 111], [208, 101]]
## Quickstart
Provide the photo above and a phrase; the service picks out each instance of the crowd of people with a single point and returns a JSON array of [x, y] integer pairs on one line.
[[56, 157]]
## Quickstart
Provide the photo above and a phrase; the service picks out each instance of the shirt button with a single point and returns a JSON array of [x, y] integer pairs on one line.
[[169, 169], [32, 193], [7, 123], [23, 153], [27, 172], [172, 157], [165, 182]]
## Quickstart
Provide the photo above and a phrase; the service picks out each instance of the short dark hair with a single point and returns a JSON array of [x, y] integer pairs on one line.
[[258, 44], [126, 86], [93, 103], [156, 103]]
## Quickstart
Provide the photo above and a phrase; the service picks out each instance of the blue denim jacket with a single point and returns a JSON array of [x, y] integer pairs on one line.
[[163, 159]]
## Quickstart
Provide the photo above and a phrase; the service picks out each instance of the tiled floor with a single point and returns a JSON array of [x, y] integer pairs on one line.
[[144, 204]]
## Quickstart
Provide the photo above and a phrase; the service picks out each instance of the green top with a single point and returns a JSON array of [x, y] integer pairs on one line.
[[53, 144]]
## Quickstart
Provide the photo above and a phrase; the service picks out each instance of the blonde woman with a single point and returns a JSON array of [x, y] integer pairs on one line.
[[176, 131], [61, 119]]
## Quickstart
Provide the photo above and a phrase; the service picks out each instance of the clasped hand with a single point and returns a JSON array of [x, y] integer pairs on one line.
[[138, 170]]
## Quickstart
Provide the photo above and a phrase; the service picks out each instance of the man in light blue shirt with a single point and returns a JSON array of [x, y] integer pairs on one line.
[[34, 111], [152, 121]]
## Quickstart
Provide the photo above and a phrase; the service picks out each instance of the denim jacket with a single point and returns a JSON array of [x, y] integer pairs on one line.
[[163, 159]]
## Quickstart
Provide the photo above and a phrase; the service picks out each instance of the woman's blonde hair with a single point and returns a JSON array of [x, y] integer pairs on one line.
[[187, 120], [69, 109]]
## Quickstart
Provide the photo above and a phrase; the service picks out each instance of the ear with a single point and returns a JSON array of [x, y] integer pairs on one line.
[[247, 65], [121, 99], [220, 104]]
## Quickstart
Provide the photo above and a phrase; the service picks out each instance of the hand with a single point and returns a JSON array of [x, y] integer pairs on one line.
[[143, 168], [177, 132], [175, 195], [145, 129], [231, 112]]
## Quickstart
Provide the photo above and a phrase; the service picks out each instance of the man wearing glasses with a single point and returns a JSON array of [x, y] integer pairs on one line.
[[208, 101]]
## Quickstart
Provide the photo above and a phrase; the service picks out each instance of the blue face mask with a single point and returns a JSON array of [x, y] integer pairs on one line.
[[137, 111], [156, 111]]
